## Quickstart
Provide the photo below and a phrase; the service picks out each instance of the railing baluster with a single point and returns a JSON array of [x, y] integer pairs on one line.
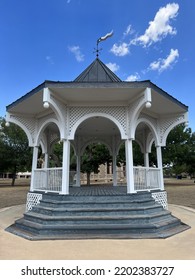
[[48, 179], [146, 178]]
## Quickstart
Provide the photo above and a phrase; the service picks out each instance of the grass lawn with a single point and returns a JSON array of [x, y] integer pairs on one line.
[[180, 192]]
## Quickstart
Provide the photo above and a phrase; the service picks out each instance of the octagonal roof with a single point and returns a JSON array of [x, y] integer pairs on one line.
[[97, 83], [97, 71]]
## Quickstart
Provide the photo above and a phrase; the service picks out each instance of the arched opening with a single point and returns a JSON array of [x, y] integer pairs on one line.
[[97, 138], [148, 159], [47, 160], [96, 164]]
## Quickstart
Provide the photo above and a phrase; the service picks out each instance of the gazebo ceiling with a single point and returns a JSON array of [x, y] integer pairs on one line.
[[97, 126]]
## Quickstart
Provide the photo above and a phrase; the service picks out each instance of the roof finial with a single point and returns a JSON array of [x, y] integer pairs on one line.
[[97, 50]]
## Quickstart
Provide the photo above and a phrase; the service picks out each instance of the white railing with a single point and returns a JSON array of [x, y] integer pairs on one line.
[[146, 178], [48, 179]]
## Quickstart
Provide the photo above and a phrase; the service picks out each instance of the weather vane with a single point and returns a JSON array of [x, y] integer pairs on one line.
[[97, 50]]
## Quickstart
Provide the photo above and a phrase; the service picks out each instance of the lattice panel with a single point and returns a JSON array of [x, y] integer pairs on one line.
[[161, 197], [150, 119], [45, 119], [32, 200], [165, 124], [62, 108], [29, 123], [134, 106], [117, 112]]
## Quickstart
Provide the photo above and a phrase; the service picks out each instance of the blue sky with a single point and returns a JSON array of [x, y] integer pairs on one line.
[[55, 40]]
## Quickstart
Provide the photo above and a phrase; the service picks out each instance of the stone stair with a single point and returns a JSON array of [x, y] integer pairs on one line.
[[97, 216]]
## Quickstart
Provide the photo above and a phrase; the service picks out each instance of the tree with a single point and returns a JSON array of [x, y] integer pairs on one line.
[[93, 157], [15, 154], [138, 157], [180, 150], [57, 155]]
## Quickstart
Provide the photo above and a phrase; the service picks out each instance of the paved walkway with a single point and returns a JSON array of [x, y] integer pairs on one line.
[[178, 247]]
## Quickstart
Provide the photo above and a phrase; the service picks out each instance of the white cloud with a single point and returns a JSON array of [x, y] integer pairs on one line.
[[128, 30], [160, 27], [77, 52], [133, 78], [162, 64], [113, 66], [120, 50]]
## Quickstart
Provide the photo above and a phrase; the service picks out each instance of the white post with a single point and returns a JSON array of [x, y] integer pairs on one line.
[[114, 170], [129, 166], [65, 166], [159, 162], [146, 164], [46, 163], [146, 159], [34, 166], [78, 175]]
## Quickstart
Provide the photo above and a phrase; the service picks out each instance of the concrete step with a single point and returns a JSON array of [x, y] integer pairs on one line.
[[106, 219], [69, 236], [97, 198], [102, 204], [99, 216], [103, 228], [95, 210]]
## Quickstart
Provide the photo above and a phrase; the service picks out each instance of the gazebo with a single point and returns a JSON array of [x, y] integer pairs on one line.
[[96, 107]]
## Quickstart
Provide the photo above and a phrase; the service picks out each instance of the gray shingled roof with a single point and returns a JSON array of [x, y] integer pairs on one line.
[[97, 71]]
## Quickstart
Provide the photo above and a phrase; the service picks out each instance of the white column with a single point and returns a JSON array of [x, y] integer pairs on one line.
[[129, 166], [65, 166], [146, 164], [114, 170], [46, 163], [146, 159], [159, 162], [34, 166], [78, 175]]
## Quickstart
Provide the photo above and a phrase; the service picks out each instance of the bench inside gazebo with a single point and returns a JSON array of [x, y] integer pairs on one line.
[[97, 107]]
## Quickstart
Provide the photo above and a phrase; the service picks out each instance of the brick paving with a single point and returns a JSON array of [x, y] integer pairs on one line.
[[98, 190]]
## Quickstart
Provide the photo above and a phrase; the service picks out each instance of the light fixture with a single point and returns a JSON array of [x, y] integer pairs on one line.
[[148, 104], [46, 105]]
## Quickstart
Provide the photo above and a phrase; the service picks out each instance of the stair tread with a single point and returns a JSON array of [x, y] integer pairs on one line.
[[87, 209], [96, 226], [135, 216], [69, 236], [98, 202]]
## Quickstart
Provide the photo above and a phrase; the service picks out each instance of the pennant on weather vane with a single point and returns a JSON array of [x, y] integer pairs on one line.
[[105, 37]]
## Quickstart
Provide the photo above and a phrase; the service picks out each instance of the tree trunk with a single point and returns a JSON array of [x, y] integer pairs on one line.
[[13, 179], [88, 179], [14, 176]]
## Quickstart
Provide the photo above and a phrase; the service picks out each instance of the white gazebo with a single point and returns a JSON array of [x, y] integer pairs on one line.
[[96, 107]]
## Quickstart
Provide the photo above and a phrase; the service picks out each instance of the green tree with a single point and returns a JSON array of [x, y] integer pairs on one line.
[[138, 158], [180, 150], [15, 154], [93, 157]]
